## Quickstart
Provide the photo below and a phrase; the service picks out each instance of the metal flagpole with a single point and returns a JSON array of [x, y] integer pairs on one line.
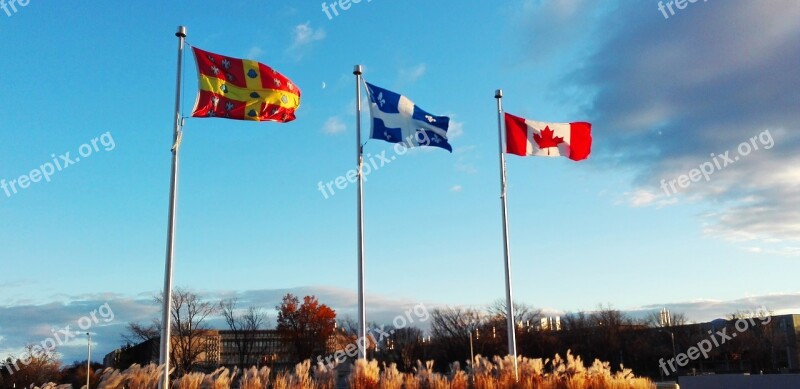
[[163, 358], [362, 315], [88, 358], [511, 326]]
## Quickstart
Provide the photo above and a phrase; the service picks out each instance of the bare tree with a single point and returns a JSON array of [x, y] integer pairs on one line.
[[139, 333], [348, 326], [453, 328], [189, 329], [455, 322], [244, 328], [35, 367], [654, 320], [523, 313]]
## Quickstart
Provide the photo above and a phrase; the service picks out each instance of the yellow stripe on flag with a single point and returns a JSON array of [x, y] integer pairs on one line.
[[270, 96], [252, 83]]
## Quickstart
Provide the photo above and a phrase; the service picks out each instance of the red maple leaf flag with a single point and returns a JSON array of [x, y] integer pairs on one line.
[[528, 137]]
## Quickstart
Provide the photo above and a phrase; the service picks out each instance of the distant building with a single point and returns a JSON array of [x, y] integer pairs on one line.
[[550, 323], [218, 348], [147, 352], [263, 347]]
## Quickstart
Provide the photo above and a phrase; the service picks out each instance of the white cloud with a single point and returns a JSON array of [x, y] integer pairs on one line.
[[334, 126], [304, 34], [712, 100], [704, 310], [456, 129], [642, 197], [456, 188], [464, 159], [254, 52], [412, 74]]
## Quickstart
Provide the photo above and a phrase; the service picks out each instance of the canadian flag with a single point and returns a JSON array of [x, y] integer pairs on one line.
[[527, 137]]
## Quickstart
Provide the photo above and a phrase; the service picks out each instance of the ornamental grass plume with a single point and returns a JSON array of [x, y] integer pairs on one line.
[[427, 378], [365, 375], [458, 378], [52, 385], [134, 377], [324, 376], [483, 374], [219, 379], [299, 379], [391, 378], [189, 381], [253, 378], [568, 372]]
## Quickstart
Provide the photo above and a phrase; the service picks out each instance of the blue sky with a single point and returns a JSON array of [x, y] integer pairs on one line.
[[662, 94]]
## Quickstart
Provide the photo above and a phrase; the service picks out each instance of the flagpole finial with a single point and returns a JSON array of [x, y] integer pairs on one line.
[[498, 94], [181, 32], [357, 70]]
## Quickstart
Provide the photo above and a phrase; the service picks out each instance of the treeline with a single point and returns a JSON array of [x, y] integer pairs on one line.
[[310, 331], [645, 345]]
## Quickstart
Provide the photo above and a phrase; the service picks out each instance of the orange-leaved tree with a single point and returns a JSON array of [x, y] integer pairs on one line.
[[306, 327]]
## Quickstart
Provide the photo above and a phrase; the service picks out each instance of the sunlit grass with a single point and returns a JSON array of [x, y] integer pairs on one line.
[[568, 372]]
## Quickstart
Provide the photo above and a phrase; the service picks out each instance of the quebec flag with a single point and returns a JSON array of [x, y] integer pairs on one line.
[[397, 119]]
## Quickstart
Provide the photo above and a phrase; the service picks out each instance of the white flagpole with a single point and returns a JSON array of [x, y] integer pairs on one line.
[[88, 359], [166, 310], [362, 315], [511, 326]]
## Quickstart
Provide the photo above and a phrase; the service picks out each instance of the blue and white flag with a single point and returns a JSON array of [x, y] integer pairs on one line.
[[397, 119]]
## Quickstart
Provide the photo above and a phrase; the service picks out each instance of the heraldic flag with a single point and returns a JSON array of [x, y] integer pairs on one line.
[[242, 89]]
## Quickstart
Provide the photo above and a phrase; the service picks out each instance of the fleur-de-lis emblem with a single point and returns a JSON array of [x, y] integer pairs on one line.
[[277, 82], [215, 70], [211, 114], [210, 58], [387, 135], [436, 139], [381, 100], [226, 63], [290, 86], [430, 119], [215, 101], [229, 106]]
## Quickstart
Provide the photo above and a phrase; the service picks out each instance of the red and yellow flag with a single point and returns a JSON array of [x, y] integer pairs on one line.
[[242, 89]]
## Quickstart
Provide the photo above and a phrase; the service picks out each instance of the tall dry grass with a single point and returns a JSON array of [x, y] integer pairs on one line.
[[134, 377], [569, 372], [253, 378]]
